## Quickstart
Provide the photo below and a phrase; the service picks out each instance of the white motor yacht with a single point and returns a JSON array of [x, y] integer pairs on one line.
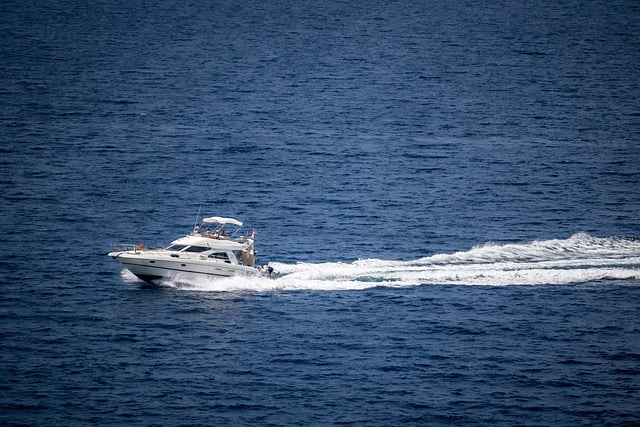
[[212, 253]]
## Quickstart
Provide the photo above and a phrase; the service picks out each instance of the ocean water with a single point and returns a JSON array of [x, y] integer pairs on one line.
[[451, 189]]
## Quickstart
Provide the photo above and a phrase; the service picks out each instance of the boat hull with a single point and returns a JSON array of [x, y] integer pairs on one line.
[[151, 269]]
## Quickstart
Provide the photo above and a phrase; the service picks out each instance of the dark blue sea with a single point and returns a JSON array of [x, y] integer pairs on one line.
[[451, 190]]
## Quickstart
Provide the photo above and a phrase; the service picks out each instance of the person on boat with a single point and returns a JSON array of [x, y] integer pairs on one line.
[[207, 232], [223, 232]]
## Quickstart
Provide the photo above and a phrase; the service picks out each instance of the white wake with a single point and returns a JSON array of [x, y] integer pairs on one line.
[[578, 259]]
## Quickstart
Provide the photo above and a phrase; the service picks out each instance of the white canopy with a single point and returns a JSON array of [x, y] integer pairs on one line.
[[222, 220]]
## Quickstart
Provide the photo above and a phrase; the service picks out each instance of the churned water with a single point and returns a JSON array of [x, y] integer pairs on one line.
[[450, 189]]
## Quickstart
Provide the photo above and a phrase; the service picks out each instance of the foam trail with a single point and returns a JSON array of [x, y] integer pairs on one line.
[[578, 259], [129, 277]]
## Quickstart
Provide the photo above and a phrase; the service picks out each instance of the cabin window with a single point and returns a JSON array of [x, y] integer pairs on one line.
[[196, 249], [223, 256], [176, 247]]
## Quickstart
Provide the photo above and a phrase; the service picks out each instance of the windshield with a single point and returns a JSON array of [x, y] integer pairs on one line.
[[176, 248]]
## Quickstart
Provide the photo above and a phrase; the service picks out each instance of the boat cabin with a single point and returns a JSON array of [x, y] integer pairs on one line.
[[215, 247]]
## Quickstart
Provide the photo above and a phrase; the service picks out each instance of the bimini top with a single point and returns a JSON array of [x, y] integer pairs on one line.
[[222, 220]]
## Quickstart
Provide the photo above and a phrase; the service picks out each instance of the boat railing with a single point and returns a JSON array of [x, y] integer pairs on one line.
[[131, 247]]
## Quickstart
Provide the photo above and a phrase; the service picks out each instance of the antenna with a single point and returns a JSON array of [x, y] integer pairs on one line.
[[195, 224]]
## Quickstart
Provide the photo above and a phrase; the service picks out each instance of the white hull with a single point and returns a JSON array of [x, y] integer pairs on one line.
[[149, 267]]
